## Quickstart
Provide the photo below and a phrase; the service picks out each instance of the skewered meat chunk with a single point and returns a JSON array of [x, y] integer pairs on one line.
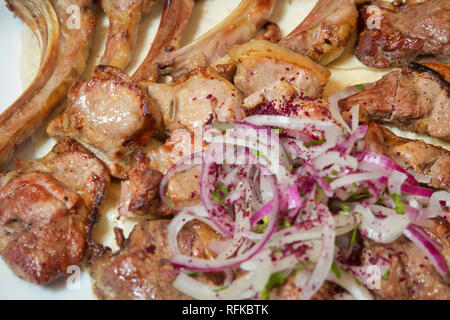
[[142, 268], [405, 32], [20, 120], [124, 17], [110, 115], [416, 98], [48, 209], [260, 64], [202, 97], [326, 31]]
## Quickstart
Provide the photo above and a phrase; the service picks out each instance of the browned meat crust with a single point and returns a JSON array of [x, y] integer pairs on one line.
[[110, 126], [406, 31], [48, 209], [19, 121], [416, 98], [140, 189], [124, 17], [411, 275], [325, 32], [174, 19], [417, 155], [142, 268]]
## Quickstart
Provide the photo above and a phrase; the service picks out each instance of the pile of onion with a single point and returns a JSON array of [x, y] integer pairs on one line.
[[292, 186]]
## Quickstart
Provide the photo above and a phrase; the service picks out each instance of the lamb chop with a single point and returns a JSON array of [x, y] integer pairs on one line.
[[48, 208], [240, 26], [110, 115], [174, 19], [20, 120], [326, 31], [405, 32], [416, 98], [124, 17]]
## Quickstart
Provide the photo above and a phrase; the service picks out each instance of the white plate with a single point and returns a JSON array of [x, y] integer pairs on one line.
[[287, 13]]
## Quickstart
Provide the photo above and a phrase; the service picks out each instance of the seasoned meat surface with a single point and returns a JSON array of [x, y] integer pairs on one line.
[[326, 31], [22, 119], [411, 275], [416, 98], [417, 155], [124, 17], [48, 209], [140, 189], [202, 97], [406, 31], [110, 115], [142, 268]]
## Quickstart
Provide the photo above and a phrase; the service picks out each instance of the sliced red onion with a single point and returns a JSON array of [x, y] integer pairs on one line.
[[434, 209], [347, 282], [323, 265], [395, 182], [355, 117], [428, 246], [353, 178], [384, 230], [416, 190]]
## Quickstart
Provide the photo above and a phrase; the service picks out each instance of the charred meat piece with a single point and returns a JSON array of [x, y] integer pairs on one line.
[[261, 64], [417, 155], [289, 291], [48, 209], [416, 98], [124, 17], [240, 26], [140, 189], [110, 115], [174, 19], [20, 120], [411, 275], [142, 268], [202, 97], [326, 31], [405, 31]]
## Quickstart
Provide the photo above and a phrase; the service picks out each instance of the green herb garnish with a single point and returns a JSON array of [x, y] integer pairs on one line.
[[386, 275], [275, 279], [220, 289], [170, 201], [336, 271], [286, 224], [360, 87], [399, 205], [352, 240], [261, 225], [220, 194], [313, 143], [223, 126], [358, 196], [193, 273]]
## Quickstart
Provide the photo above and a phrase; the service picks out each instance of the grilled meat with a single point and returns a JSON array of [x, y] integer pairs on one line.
[[48, 209], [202, 97], [405, 31], [124, 17], [141, 269], [110, 115], [20, 120], [416, 98], [326, 31], [174, 19]]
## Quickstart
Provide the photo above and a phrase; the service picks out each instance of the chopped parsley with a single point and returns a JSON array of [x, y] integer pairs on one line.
[[286, 224], [275, 279], [328, 179], [355, 196], [386, 275], [352, 240], [261, 225], [223, 126], [193, 273], [399, 205], [313, 143], [319, 193], [336, 270], [170, 201], [277, 250], [221, 289], [334, 172], [360, 87], [220, 194]]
